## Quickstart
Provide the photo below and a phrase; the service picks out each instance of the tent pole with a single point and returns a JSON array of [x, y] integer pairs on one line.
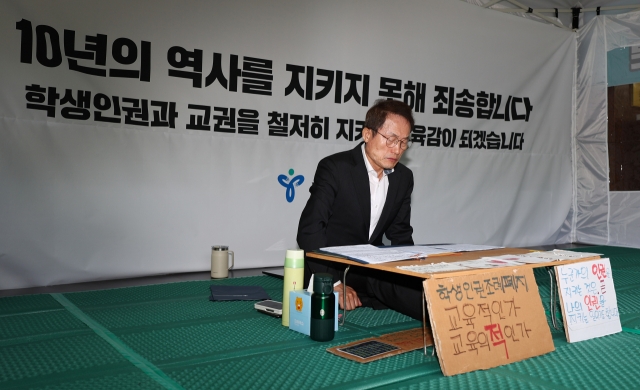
[[492, 2], [538, 14], [634, 7]]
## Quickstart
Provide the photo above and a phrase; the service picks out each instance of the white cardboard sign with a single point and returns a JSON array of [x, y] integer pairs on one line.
[[588, 299]]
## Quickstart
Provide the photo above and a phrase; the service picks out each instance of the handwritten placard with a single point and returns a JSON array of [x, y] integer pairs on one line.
[[487, 319], [588, 299]]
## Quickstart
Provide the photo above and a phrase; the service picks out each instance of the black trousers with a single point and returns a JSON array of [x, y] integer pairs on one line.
[[376, 289]]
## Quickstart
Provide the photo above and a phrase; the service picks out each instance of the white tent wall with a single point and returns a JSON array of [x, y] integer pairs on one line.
[[88, 200], [602, 217]]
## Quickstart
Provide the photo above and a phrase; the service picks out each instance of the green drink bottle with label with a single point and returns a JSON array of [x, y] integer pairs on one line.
[[323, 306]]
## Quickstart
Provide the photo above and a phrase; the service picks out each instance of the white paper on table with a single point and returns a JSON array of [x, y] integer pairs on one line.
[[549, 256], [518, 258], [490, 262], [569, 255], [536, 260], [559, 254], [422, 250], [433, 267], [387, 256], [465, 247], [344, 250], [370, 254], [590, 306]]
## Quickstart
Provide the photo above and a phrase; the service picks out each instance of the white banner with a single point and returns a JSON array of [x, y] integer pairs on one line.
[[134, 137]]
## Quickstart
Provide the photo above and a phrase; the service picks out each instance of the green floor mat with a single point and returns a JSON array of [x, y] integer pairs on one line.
[[198, 344]]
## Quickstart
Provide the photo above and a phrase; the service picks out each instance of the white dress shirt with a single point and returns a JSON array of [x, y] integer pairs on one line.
[[378, 189]]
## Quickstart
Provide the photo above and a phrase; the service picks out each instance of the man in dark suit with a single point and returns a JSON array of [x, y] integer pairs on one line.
[[358, 196]]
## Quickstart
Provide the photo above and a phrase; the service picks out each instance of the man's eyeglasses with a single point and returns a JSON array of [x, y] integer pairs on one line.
[[393, 141]]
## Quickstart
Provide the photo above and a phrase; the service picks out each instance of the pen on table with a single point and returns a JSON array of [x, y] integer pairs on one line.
[[232, 295]]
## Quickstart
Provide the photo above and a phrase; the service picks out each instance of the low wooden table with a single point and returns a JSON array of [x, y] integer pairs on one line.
[[447, 258], [443, 258]]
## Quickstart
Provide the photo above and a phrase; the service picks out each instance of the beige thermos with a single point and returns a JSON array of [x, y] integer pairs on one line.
[[220, 261]]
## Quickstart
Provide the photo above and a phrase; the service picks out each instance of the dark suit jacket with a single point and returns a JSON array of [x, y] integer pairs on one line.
[[338, 211]]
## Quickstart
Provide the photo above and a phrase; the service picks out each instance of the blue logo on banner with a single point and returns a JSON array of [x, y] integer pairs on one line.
[[289, 184]]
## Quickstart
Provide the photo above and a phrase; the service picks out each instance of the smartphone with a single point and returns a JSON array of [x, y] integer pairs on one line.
[[272, 308]]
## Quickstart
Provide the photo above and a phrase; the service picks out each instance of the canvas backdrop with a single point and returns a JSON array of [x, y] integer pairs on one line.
[[148, 193]]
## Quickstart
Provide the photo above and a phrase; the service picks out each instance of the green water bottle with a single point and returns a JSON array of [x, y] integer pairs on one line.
[[323, 308]]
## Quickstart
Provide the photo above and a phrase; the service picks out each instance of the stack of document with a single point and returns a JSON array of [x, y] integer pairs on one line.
[[499, 261], [370, 254], [557, 255], [485, 262], [464, 247], [434, 267]]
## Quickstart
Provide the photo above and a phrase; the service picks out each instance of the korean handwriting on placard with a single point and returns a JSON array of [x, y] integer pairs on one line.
[[484, 313], [584, 289], [482, 288]]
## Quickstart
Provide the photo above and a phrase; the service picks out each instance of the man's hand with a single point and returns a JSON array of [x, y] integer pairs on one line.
[[352, 298]]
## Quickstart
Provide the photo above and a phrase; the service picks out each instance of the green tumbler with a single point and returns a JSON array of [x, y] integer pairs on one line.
[[323, 308]]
